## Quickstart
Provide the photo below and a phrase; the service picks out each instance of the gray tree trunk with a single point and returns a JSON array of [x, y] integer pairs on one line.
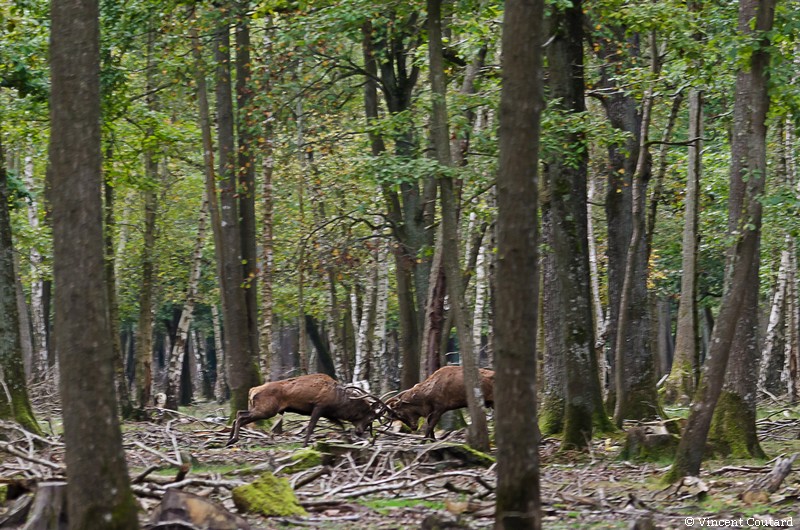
[[98, 493]]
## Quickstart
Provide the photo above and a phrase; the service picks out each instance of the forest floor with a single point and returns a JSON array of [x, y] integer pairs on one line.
[[400, 481]]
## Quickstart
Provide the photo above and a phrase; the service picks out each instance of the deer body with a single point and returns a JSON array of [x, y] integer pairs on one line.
[[444, 390], [315, 395]]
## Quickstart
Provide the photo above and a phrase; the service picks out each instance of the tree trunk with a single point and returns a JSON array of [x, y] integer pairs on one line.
[[478, 434], [144, 328], [98, 493], [221, 383], [517, 436], [410, 210], [245, 128], [748, 172], [25, 335], [38, 315], [635, 376], [432, 332], [680, 384], [268, 251], [772, 354], [175, 360], [381, 346], [14, 402], [568, 303], [242, 366]]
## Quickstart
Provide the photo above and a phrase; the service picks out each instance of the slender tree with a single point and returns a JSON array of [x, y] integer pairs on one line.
[[14, 402], [682, 379], [515, 323], [98, 492], [478, 434], [242, 366], [747, 177]]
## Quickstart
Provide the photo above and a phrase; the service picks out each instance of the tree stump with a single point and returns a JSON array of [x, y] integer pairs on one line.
[[49, 511]]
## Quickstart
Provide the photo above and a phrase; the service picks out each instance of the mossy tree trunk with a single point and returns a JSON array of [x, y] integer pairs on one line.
[[747, 178], [14, 402], [569, 328]]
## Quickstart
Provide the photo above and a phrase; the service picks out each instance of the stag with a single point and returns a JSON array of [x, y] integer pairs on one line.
[[442, 391], [315, 395]]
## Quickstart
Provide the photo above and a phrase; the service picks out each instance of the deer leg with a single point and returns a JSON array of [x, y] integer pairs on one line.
[[243, 417], [430, 422], [315, 415]]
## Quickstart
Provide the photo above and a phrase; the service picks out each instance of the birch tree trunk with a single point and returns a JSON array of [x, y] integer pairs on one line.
[[772, 356], [267, 253], [480, 301], [221, 383], [38, 324], [791, 355], [380, 347], [176, 353]]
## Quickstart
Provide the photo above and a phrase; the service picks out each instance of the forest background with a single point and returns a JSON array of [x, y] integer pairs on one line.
[[276, 195]]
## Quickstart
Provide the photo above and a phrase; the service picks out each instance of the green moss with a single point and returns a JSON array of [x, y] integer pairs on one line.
[[302, 460], [268, 495], [471, 456], [3, 493], [733, 429], [385, 506], [551, 416]]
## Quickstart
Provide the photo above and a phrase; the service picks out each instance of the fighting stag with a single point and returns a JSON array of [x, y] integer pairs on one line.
[[442, 391], [315, 395]]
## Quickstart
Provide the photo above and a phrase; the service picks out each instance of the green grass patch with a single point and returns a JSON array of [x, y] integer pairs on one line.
[[385, 506]]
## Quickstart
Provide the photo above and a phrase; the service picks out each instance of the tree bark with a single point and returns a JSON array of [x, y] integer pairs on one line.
[[14, 402], [772, 354], [245, 128], [98, 493], [478, 434], [38, 315], [680, 384], [517, 436], [389, 59], [568, 303], [242, 365], [176, 353], [748, 172], [635, 377]]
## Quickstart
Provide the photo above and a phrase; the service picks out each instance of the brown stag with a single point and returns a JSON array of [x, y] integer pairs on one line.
[[315, 395], [442, 391]]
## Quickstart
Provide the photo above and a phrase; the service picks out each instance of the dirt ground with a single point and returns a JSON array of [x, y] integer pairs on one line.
[[400, 481]]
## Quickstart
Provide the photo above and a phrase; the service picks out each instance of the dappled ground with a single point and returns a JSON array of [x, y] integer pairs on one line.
[[400, 481]]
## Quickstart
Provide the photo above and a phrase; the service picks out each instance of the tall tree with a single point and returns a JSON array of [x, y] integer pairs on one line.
[[388, 51], [98, 492], [747, 177], [569, 326], [515, 322], [14, 402], [478, 434], [242, 366], [245, 128], [635, 374], [681, 382]]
